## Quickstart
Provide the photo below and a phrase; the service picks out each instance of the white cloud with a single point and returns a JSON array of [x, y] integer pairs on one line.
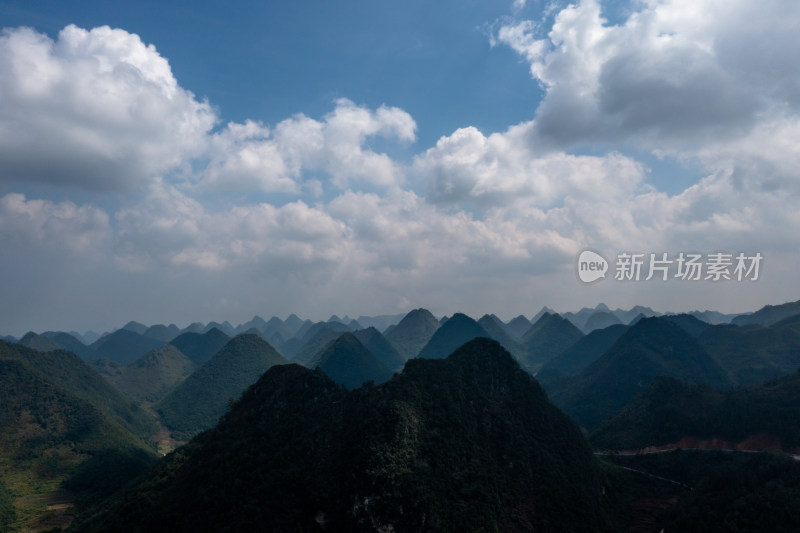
[[250, 156], [95, 109], [59, 227], [505, 167], [675, 73]]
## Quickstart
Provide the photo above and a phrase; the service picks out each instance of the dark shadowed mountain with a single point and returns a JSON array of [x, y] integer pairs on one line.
[[154, 374], [378, 346], [518, 326], [199, 347], [768, 315], [600, 320], [124, 346], [671, 412], [69, 342], [652, 348], [458, 330], [39, 342], [347, 362], [162, 333], [751, 355], [197, 403], [317, 338], [584, 352], [497, 331], [550, 336], [413, 332], [690, 324], [469, 443]]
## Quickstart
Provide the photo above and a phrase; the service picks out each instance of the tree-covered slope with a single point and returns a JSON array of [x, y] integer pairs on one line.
[[198, 402], [467, 443]]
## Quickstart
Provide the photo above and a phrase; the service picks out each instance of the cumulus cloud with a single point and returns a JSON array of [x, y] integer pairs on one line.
[[504, 168], [674, 73], [251, 156], [60, 227], [95, 109]]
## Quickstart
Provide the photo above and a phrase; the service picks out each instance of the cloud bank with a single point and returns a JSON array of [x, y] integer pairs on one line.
[[308, 216]]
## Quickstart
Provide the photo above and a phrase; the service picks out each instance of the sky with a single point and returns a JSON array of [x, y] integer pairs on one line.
[[173, 162]]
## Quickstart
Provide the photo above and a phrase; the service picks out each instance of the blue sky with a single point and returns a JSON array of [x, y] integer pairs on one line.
[[185, 161]]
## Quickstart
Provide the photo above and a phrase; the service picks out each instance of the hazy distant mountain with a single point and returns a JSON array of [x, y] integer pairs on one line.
[[225, 327], [669, 411], [135, 327], [151, 376], [580, 318], [378, 346], [543, 311], [768, 315], [199, 347], [599, 320], [496, 330], [162, 333], [9, 338], [627, 317], [69, 342], [320, 336], [379, 322], [637, 318], [292, 324], [457, 331], [124, 346], [198, 402], [413, 332], [38, 342], [69, 372], [518, 326], [651, 348], [583, 353], [548, 337], [256, 322], [469, 443], [347, 362], [194, 327], [713, 317], [754, 354]]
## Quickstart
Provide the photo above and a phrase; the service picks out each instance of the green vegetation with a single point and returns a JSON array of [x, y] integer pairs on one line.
[[67, 371], [723, 491], [651, 348], [347, 362], [458, 330], [197, 403], [199, 347], [124, 346], [378, 346], [7, 512], [754, 354], [412, 333], [668, 411], [154, 374], [550, 336], [468, 443], [52, 439]]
